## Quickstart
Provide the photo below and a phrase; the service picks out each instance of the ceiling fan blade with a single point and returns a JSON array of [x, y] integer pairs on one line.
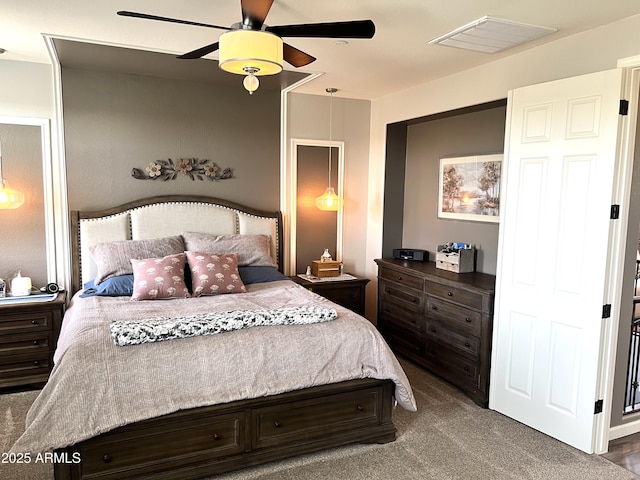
[[351, 29], [200, 52], [125, 13], [254, 12], [296, 57]]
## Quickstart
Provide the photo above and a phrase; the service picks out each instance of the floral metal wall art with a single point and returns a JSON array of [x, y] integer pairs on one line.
[[195, 169]]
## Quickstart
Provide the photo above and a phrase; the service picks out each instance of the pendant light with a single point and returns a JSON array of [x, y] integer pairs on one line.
[[329, 201], [9, 198]]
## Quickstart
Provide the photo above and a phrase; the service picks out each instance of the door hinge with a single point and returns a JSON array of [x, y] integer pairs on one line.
[[598, 406], [606, 310], [624, 107], [615, 212]]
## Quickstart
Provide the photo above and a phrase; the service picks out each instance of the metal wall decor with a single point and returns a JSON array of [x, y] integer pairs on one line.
[[195, 169]]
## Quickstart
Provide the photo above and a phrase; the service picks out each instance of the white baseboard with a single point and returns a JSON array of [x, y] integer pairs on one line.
[[620, 431]]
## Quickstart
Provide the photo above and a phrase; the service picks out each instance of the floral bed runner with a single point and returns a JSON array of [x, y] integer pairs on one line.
[[159, 329]]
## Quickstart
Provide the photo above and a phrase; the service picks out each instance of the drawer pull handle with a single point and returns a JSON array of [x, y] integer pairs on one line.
[[433, 329], [449, 294], [277, 424], [36, 342], [414, 300], [360, 408], [413, 320], [468, 320], [36, 363], [466, 369], [433, 307], [217, 437], [34, 322], [400, 278], [467, 344], [107, 458]]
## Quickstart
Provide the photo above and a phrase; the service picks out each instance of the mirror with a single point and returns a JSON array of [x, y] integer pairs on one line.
[[25, 232], [313, 230]]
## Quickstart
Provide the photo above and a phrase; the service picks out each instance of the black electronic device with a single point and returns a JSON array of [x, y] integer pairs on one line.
[[411, 254]]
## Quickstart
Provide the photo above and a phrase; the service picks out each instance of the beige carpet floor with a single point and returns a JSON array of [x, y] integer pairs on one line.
[[448, 438]]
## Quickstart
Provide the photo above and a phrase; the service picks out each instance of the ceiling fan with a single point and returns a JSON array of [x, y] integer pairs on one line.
[[252, 48]]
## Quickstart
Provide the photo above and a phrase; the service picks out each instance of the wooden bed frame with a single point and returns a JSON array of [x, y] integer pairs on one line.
[[210, 440]]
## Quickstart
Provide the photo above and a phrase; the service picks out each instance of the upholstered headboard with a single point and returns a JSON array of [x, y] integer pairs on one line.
[[157, 217]]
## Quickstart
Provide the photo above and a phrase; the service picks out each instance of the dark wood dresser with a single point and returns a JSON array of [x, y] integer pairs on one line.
[[28, 336], [440, 320], [348, 293]]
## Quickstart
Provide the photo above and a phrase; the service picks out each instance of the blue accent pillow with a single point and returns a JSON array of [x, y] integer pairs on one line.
[[119, 286], [260, 274]]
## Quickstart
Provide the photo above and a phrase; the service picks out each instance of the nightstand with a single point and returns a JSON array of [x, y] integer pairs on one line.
[[348, 293], [28, 335]]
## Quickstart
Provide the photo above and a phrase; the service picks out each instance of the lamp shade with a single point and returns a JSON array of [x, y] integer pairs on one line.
[[256, 50], [329, 201], [10, 198]]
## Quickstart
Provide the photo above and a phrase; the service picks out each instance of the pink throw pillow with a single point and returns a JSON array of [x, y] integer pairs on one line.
[[214, 274], [159, 278]]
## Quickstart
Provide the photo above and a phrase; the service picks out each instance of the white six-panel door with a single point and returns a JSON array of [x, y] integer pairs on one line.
[[557, 186]]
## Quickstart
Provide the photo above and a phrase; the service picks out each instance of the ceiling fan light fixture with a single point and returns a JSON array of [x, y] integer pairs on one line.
[[250, 49]]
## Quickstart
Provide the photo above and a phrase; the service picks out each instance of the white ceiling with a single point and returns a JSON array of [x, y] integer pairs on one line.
[[398, 56]]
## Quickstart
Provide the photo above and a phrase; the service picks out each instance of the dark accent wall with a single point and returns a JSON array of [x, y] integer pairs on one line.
[[22, 231], [394, 174], [474, 130], [114, 122]]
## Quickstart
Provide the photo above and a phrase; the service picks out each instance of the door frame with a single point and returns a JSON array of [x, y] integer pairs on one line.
[[618, 235], [291, 192]]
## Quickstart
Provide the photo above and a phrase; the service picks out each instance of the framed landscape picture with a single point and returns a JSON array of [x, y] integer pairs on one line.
[[469, 188]]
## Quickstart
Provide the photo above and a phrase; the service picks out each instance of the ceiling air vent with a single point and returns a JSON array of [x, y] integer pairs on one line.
[[491, 35]]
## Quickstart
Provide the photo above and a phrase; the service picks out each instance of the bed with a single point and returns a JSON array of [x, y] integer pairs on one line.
[[287, 372]]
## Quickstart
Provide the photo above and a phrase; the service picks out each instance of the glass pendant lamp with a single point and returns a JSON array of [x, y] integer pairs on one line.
[[329, 200]]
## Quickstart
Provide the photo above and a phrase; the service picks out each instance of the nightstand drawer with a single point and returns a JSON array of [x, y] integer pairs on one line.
[[16, 323], [25, 343], [24, 365]]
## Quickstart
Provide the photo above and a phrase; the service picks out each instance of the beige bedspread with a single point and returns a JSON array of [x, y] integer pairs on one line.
[[96, 386]]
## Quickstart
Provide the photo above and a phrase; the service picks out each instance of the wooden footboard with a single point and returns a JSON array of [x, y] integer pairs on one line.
[[194, 443]]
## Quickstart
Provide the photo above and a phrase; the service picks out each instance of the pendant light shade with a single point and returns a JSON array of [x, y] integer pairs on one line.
[[9, 198], [329, 201]]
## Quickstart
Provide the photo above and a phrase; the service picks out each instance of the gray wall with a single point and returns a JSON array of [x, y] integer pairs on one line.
[[22, 231], [473, 133], [115, 121]]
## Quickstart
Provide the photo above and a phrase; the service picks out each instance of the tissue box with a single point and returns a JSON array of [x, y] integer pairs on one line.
[[460, 261], [329, 268]]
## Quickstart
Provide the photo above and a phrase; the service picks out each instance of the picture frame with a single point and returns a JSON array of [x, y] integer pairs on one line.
[[469, 188]]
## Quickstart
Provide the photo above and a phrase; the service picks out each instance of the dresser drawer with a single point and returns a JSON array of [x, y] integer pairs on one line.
[[459, 370], [403, 297], [465, 344], [458, 295], [290, 422], [27, 322], [215, 436], [403, 340], [25, 343], [411, 281], [392, 313], [459, 318]]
